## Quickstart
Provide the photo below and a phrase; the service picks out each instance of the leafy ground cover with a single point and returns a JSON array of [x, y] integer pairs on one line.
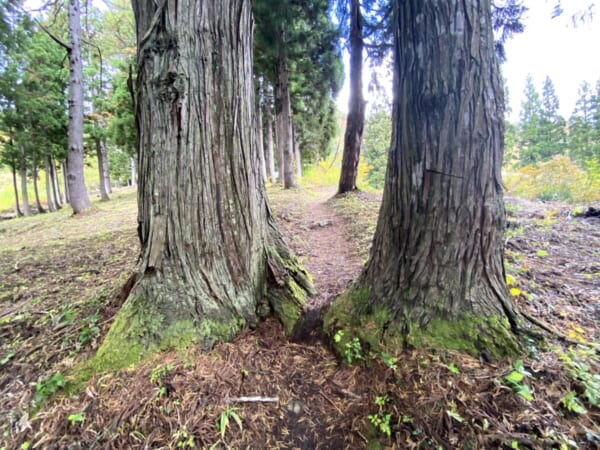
[[60, 281]]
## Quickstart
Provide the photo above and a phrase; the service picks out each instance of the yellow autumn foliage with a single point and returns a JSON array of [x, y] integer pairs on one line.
[[558, 179]]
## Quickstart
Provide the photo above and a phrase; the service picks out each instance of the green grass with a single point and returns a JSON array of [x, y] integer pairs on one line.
[[7, 194]]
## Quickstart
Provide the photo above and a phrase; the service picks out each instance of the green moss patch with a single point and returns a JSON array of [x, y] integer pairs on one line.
[[376, 328]]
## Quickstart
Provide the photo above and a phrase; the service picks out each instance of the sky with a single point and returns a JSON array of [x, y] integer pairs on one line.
[[548, 47]]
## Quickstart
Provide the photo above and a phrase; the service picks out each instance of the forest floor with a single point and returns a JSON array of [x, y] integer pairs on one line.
[[60, 279]]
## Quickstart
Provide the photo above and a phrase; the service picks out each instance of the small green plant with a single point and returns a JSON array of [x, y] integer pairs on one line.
[[541, 253], [88, 331], [451, 411], [515, 379], [48, 386], [577, 362], [223, 422], [382, 418], [157, 376], [571, 403], [184, 439], [352, 348], [76, 418], [389, 360], [453, 369]]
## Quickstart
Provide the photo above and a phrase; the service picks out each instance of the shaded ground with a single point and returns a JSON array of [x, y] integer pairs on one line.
[[59, 276]]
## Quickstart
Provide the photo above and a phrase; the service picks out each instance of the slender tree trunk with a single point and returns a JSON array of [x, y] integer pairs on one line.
[[100, 151], [355, 121], [134, 174], [39, 206], [259, 131], [105, 167], [66, 195], [297, 156], [435, 276], [284, 114], [58, 201], [280, 152], [49, 183], [16, 189], [212, 260], [78, 197], [23, 175], [269, 136]]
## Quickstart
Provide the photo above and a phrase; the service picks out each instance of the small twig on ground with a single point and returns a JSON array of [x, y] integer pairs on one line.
[[253, 400]]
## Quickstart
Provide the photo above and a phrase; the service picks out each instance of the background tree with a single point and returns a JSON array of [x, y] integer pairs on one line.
[[313, 70], [529, 124], [212, 259], [583, 145], [552, 131], [362, 20], [376, 144], [435, 276]]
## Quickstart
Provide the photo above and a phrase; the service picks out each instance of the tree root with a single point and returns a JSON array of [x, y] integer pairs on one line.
[[546, 327]]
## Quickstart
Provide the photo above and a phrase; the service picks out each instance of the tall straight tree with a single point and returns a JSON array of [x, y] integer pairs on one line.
[[78, 197], [356, 103], [212, 260], [435, 276]]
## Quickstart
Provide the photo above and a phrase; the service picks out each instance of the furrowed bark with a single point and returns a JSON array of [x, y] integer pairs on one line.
[[212, 260], [436, 276]]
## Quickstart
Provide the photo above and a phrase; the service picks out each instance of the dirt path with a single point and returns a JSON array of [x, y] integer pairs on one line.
[[330, 259]]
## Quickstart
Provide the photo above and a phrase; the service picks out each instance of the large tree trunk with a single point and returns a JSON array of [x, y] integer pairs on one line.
[[100, 152], [212, 259], [36, 191], [259, 131], [355, 121], [16, 189], [23, 175], [49, 183], [435, 276], [78, 197], [283, 107], [269, 137]]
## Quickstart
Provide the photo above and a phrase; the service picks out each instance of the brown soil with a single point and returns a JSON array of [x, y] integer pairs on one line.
[[51, 295]]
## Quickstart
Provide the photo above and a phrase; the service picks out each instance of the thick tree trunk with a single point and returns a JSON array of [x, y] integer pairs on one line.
[[16, 189], [36, 191], [355, 121], [269, 137], [23, 175], [78, 197], [212, 259], [283, 106], [259, 132], [435, 276], [49, 182], [100, 152]]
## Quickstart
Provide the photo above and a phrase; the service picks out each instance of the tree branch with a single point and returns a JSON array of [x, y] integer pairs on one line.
[[56, 39]]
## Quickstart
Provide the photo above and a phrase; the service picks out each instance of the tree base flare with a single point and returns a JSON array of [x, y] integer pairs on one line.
[[489, 336]]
